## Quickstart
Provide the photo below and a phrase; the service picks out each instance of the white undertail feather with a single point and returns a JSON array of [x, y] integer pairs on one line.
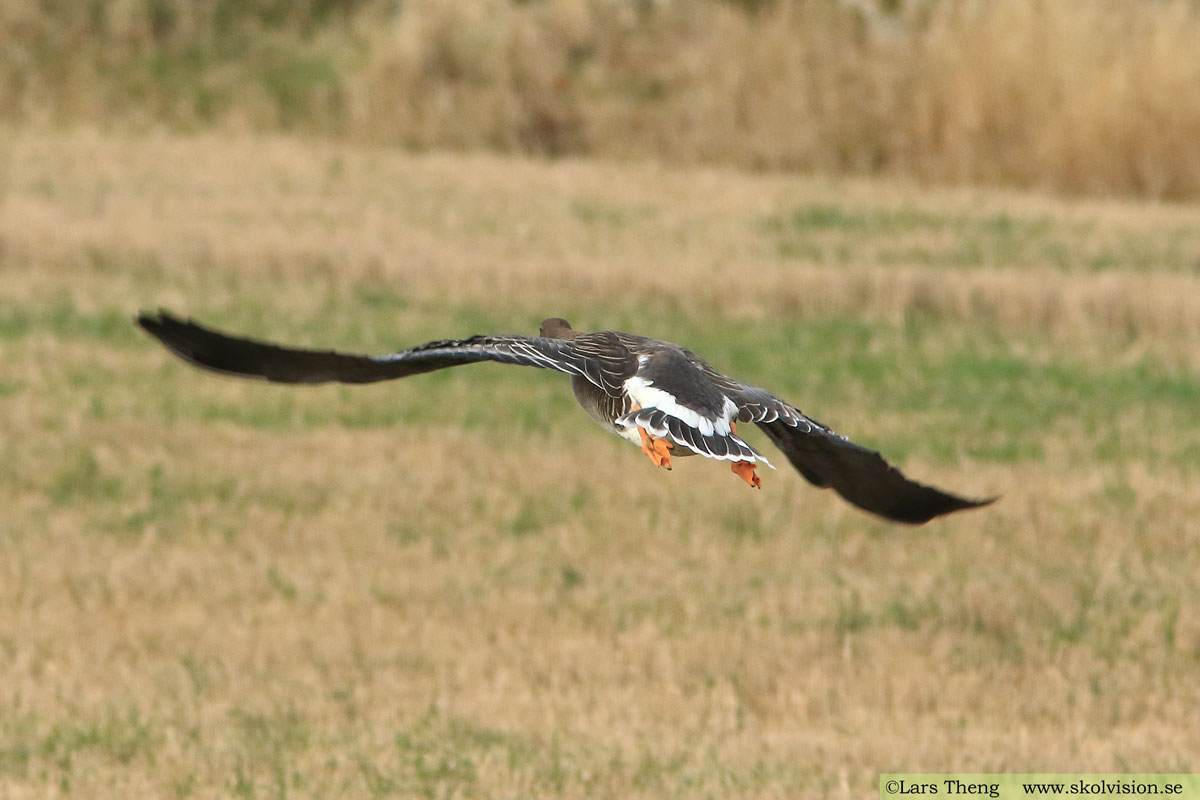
[[646, 395]]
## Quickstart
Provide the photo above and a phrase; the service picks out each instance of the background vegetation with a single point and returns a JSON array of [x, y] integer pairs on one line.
[[1075, 95]]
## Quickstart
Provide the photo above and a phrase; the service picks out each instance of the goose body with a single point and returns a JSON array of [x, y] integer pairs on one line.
[[653, 393]]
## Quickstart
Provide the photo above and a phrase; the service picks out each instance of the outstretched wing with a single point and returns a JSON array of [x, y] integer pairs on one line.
[[862, 476], [829, 460], [234, 355]]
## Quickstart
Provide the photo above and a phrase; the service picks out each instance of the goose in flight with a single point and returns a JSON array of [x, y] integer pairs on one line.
[[655, 394]]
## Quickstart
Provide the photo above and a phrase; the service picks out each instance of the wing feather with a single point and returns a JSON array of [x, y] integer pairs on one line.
[[862, 476], [250, 358], [724, 447], [828, 460]]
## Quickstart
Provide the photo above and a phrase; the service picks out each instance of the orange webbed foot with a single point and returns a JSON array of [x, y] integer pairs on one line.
[[657, 450], [745, 471]]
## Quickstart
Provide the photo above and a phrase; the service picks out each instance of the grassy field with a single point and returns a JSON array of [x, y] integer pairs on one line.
[[457, 586]]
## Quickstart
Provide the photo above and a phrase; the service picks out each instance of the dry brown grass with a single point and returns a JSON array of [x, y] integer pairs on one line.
[[215, 588], [1074, 96], [434, 227]]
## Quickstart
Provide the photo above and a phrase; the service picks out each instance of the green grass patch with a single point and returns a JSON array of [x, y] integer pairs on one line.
[[598, 214], [82, 480], [122, 735], [832, 234], [59, 317]]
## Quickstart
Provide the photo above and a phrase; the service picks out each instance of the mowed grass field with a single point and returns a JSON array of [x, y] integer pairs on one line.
[[457, 586]]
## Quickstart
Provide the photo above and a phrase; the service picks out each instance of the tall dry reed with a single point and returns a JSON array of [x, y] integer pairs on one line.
[[1077, 96]]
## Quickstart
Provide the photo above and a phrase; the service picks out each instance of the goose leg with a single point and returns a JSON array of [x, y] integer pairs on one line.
[[658, 450], [745, 471]]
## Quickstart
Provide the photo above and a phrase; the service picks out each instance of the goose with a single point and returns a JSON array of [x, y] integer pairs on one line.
[[656, 394]]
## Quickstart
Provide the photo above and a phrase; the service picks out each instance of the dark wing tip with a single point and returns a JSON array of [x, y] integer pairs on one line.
[[204, 347], [921, 503], [152, 322], [163, 326], [862, 476], [160, 323], [167, 328]]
